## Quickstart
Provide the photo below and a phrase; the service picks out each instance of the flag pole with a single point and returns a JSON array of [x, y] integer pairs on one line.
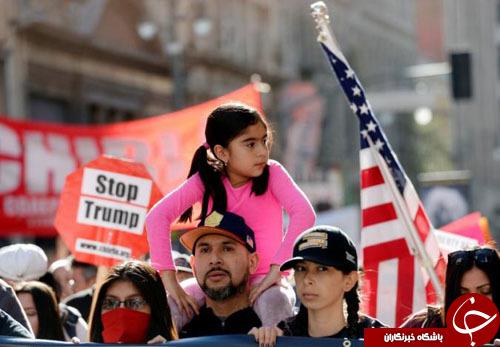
[[413, 238], [321, 17]]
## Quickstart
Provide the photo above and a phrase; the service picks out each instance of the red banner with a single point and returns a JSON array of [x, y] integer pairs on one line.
[[35, 158]]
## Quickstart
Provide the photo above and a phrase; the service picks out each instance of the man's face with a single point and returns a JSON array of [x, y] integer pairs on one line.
[[80, 281], [222, 266], [63, 276]]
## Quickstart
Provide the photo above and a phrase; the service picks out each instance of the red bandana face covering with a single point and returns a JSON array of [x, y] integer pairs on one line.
[[125, 325]]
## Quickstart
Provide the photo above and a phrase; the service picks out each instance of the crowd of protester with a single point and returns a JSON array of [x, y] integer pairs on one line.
[[325, 274], [243, 275]]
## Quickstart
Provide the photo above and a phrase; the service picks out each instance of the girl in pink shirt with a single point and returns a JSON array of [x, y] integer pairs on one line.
[[232, 172]]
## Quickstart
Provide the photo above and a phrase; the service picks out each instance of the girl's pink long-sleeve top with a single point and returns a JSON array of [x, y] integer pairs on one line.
[[263, 213]]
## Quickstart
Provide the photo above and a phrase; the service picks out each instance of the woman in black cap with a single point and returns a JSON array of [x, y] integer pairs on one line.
[[326, 274]]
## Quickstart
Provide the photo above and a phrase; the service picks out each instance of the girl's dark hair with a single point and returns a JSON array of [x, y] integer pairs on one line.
[[224, 124], [464, 261], [44, 298], [148, 282]]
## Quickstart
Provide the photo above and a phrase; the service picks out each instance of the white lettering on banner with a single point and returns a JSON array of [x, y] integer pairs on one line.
[[112, 215], [10, 169], [450, 242], [126, 148], [86, 149], [171, 145], [39, 222], [10, 175], [171, 152], [103, 249], [47, 159], [28, 206], [132, 149], [115, 186], [47, 163]]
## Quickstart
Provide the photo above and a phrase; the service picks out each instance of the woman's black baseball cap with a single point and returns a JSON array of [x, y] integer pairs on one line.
[[324, 245]]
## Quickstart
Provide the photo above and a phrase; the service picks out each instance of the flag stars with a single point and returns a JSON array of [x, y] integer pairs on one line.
[[399, 178], [354, 108], [349, 73], [356, 91], [379, 145], [364, 133], [363, 109], [371, 126]]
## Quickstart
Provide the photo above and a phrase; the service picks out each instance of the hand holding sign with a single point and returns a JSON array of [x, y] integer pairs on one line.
[[102, 210]]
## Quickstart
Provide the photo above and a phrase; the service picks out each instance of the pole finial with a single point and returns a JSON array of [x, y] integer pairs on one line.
[[319, 12]]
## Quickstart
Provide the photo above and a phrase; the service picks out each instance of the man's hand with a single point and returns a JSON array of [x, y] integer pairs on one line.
[[186, 303], [266, 336], [157, 339], [273, 277]]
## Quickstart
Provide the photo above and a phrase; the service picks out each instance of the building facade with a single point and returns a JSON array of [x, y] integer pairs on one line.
[[102, 61], [474, 28], [113, 60]]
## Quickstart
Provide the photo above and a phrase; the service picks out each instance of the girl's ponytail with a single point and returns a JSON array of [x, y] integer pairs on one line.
[[211, 178], [199, 157]]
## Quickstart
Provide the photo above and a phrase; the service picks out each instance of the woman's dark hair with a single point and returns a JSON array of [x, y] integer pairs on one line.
[[485, 259], [224, 124], [352, 300], [48, 279], [299, 323], [44, 298], [148, 282]]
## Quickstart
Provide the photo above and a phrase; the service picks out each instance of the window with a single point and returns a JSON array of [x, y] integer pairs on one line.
[[3, 106], [49, 109], [101, 114], [498, 62], [498, 11]]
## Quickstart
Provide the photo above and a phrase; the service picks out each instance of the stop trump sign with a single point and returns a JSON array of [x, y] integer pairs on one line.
[[102, 210]]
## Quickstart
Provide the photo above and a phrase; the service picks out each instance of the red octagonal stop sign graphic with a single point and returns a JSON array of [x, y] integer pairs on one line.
[[102, 210]]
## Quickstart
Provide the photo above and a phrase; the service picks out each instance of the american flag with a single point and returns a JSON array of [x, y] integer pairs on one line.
[[400, 250]]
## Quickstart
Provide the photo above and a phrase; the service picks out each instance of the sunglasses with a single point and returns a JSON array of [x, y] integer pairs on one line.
[[135, 303], [480, 256]]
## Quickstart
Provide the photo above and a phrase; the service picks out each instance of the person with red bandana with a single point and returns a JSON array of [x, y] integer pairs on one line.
[[131, 307]]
